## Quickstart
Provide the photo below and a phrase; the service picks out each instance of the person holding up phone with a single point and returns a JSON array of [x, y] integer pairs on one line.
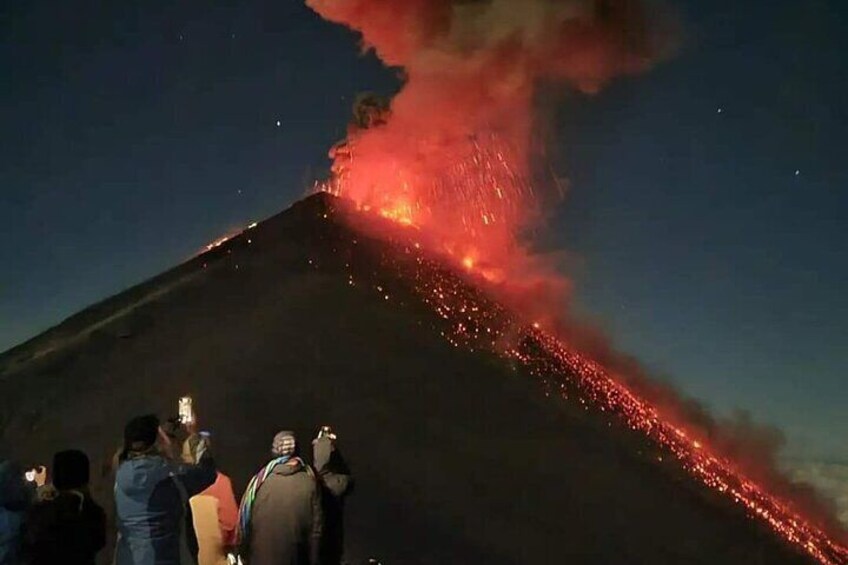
[[152, 490], [336, 483]]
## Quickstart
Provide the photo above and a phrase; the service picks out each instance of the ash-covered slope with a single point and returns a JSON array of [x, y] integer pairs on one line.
[[459, 456]]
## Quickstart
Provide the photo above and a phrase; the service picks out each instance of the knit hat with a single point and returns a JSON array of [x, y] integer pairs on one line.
[[70, 469], [141, 432], [284, 444]]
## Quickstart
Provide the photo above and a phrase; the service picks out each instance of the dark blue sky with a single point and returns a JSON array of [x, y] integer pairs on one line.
[[134, 133]]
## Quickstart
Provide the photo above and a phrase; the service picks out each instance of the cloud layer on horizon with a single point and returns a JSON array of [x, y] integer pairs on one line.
[[829, 479]]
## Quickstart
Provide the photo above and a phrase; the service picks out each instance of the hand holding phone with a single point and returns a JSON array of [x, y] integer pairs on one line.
[[37, 475], [326, 431]]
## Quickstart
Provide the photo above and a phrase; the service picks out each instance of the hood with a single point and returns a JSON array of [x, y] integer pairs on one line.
[[138, 477], [285, 469]]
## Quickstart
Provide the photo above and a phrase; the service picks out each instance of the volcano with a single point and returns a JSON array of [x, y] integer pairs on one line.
[[461, 454]]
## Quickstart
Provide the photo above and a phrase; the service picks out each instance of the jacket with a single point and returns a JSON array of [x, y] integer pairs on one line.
[[286, 520], [215, 515], [336, 483], [151, 499], [67, 527], [15, 498]]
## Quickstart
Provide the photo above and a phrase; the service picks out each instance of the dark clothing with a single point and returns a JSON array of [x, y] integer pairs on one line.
[[69, 528], [285, 525], [15, 498], [336, 483], [151, 499]]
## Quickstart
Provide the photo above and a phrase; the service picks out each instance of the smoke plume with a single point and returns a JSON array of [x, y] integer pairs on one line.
[[452, 152]]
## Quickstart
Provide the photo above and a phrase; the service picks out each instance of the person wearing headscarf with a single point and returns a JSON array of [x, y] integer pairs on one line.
[[152, 490], [65, 525], [280, 517]]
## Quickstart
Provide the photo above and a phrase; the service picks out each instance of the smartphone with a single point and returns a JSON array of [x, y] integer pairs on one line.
[[30, 475], [186, 410], [327, 431]]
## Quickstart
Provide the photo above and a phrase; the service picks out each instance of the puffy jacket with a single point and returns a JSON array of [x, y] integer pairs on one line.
[[151, 496], [215, 515], [68, 527], [286, 521]]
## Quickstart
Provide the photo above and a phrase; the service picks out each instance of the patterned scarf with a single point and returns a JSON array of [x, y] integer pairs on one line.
[[246, 506]]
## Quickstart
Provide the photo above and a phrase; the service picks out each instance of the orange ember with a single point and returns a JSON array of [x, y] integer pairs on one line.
[[475, 196], [479, 202], [473, 321]]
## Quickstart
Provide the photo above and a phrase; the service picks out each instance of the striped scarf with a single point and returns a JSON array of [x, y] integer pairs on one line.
[[246, 506]]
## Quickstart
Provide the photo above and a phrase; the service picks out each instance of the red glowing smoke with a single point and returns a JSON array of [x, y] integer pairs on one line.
[[452, 153]]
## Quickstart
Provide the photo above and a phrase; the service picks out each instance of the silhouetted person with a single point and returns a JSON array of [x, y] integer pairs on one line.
[[336, 483], [152, 490], [16, 495], [65, 526], [280, 518]]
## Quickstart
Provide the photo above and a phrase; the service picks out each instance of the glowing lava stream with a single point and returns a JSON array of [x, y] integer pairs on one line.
[[476, 322]]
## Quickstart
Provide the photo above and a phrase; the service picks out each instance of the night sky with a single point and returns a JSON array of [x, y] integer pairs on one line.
[[703, 223]]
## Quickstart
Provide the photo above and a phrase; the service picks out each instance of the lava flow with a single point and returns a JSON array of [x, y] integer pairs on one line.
[[449, 159], [471, 319]]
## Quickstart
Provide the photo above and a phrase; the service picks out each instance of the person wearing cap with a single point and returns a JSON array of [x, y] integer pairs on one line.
[[66, 525], [280, 517], [152, 490]]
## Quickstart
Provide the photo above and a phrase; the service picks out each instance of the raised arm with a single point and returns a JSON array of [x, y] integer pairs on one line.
[[332, 470], [196, 478]]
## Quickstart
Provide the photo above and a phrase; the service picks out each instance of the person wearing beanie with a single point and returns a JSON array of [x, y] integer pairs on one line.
[[66, 525], [280, 517], [152, 490]]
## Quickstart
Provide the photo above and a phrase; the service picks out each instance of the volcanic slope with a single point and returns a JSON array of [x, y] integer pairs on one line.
[[459, 455]]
